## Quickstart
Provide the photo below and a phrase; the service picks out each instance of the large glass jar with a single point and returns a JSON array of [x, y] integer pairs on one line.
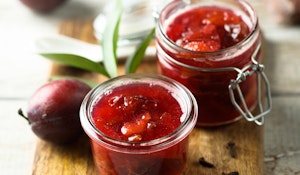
[[213, 47], [139, 124]]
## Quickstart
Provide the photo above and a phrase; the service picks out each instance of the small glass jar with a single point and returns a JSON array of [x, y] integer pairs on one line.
[[160, 156], [224, 82]]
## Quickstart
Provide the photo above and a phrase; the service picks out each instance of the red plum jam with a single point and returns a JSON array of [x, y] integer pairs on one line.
[[139, 124], [202, 44]]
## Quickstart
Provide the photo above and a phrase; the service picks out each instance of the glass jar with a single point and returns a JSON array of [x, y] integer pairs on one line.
[[225, 81], [116, 154]]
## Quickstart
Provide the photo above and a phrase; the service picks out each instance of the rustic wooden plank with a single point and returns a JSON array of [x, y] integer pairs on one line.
[[210, 143], [17, 142], [282, 138], [55, 159], [283, 66]]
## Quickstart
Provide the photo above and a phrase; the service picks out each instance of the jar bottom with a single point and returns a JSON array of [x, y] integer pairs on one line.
[[202, 124], [171, 160], [226, 122]]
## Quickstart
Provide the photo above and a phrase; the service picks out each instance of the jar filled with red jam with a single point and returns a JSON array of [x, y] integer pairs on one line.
[[213, 48], [139, 124]]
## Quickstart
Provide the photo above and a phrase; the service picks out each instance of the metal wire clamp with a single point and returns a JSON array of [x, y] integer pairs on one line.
[[255, 68], [242, 74]]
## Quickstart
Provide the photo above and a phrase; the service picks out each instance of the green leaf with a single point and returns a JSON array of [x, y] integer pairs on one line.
[[76, 61], [133, 62], [110, 39], [92, 84]]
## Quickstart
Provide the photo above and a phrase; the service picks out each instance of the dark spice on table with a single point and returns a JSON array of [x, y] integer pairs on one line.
[[231, 147], [231, 173], [205, 163]]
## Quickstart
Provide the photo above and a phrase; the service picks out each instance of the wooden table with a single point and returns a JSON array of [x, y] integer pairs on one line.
[[22, 72], [209, 143]]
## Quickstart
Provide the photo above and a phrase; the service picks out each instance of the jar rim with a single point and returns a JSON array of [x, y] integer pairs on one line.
[[246, 5], [144, 146]]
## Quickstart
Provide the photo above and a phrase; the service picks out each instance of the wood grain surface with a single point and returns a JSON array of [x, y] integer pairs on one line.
[[208, 143]]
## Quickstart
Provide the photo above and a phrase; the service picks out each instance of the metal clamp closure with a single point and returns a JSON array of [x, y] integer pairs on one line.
[[255, 68]]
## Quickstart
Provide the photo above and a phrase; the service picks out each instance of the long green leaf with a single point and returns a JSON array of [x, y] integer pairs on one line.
[[90, 83], [110, 39], [76, 61], [133, 62]]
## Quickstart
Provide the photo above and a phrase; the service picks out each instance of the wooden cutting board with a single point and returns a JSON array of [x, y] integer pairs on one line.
[[246, 156]]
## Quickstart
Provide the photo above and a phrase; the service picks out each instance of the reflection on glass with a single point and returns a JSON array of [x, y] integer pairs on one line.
[[137, 20]]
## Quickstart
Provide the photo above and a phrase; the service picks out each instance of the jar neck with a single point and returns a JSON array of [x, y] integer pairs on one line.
[[171, 48]]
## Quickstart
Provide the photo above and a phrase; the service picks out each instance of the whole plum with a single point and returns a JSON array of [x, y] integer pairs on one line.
[[43, 5], [53, 110]]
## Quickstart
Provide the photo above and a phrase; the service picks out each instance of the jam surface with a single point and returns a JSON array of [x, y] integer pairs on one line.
[[137, 112], [207, 29]]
